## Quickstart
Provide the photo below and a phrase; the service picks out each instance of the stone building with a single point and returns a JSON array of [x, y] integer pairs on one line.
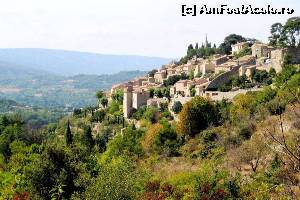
[[139, 81], [247, 70], [225, 67], [206, 67], [261, 50], [219, 59], [181, 87], [200, 86], [171, 72], [116, 87], [133, 99], [156, 102], [160, 76], [239, 46]]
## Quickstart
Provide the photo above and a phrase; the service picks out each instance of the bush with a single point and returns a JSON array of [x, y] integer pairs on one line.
[[115, 181], [177, 107], [209, 136], [138, 114], [173, 79], [196, 115], [151, 114], [162, 139], [262, 77], [167, 141]]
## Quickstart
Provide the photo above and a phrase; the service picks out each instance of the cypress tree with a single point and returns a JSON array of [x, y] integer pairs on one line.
[[69, 136], [88, 138]]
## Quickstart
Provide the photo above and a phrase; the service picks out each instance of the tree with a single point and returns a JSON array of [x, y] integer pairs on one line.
[[158, 93], [276, 31], [103, 138], [150, 136], [152, 72], [231, 39], [151, 92], [101, 98], [104, 102], [286, 35], [77, 111], [292, 29], [128, 143], [88, 137], [116, 181], [98, 116], [262, 77], [252, 152], [272, 72], [151, 114], [243, 108], [68, 135], [167, 142], [118, 95], [243, 52], [176, 108], [99, 94], [196, 115]]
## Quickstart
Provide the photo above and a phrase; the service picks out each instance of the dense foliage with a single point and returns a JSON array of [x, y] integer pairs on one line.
[[89, 155], [286, 35]]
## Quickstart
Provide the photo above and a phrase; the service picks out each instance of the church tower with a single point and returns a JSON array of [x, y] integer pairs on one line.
[[206, 41], [127, 101]]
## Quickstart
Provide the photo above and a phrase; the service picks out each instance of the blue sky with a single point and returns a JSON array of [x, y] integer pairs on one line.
[[138, 27]]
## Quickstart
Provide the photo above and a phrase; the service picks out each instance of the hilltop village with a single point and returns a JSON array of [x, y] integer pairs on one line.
[[212, 77], [221, 123]]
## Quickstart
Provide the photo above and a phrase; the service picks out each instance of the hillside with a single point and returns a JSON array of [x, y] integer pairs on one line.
[[8, 105], [69, 63], [42, 89], [244, 149]]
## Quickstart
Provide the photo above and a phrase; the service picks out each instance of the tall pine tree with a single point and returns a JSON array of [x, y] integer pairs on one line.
[[69, 136]]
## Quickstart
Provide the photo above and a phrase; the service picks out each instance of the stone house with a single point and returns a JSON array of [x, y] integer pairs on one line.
[[224, 67], [200, 86], [160, 76], [181, 87], [139, 81], [171, 72], [133, 99], [239, 46], [148, 81], [116, 87], [188, 67], [206, 67], [156, 102], [219, 59], [261, 50], [277, 57]]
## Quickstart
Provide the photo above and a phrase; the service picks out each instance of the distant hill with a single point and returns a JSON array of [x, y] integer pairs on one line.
[[69, 63], [38, 88], [9, 106]]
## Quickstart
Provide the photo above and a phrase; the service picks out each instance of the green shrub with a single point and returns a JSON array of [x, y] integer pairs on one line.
[[176, 108]]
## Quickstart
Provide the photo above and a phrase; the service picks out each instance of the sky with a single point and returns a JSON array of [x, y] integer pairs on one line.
[[130, 27]]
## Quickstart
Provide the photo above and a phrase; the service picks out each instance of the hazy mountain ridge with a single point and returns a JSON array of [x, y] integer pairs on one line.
[[70, 63], [42, 89]]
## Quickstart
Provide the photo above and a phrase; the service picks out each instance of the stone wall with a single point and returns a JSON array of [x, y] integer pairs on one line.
[[127, 102], [218, 96], [223, 78], [278, 55], [295, 55], [139, 99], [261, 50]]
